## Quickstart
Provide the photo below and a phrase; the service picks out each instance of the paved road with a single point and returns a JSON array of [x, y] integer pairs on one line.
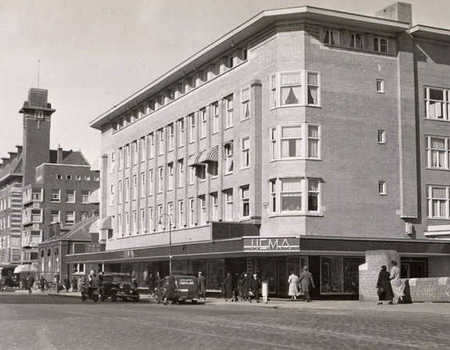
[[45, 322]]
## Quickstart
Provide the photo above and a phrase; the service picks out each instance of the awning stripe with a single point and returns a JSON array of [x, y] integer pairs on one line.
[[212, 155]]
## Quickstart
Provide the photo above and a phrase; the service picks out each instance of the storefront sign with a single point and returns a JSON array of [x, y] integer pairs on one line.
[[271, 244]]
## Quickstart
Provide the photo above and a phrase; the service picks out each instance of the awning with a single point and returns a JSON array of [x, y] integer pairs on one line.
[[105, 224], [212, 155], [199, 159], [26, 268]]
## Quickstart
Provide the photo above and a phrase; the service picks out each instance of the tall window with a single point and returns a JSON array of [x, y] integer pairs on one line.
[[135, 222], [70, 196], [203, 123], [135, 152], [437, 103], [245, 103], [112, 163], [111, 195], [143, 147], [380, 85], [119, 224], [55, 216], [273, 91], [245, 152], [160, 179], [159, 219], [438, 202], [56, 196], [273, 196], [438, 152], [171, 179], [161, 141], [381, 136], [313, 141], [181, 175], [191, 175], [171, 136], [273, 143], [291, 137], [229, 111], [151, 145], [120, 191], [202, 209], [213, 168], [380, 45], [120, 158], [191, 119], [290, 88], [180, 213], [228, 204], [135, 187], [313, 195], [291, 195], [382, 191], [215, 117], [70, 217], [313, 88], [142, 185], [127, 189], [200, 171], [357, 41], [191, 212], [150, 219], [214, 199], [170, 212], [151, 182], [228, 149], [142, 221], [245, 201], [128, 155], [181, 136], [331, 37]]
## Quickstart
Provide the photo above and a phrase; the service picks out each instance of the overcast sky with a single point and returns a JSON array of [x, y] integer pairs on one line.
[[95, 53]]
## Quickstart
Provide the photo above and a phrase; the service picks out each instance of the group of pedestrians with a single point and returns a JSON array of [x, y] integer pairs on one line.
[[243, 287], [301, 284], [389, 285]]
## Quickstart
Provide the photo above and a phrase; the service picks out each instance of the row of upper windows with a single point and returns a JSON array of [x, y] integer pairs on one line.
[[5, 203], [70, 196], [70, 216], [357, 40], [201, 123], [5, 222], [78, 177], [179, 89]]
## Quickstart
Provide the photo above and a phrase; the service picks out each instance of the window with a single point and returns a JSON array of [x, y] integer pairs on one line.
[[84, 215], [150, 182], [291, 195], [191, 172], [313, 195], [245, 152], [111, 195], [56, 196], [171, 179], [214, 199], [313, 141], [273, 91], [273, 144], [381, 136], [78, 177], [228, 149], [202, 209], [70, 196], [87, 178], [181, 172], [180, 213], [245, 103], [159, 213], [127, 189], [357, 41], [382, 188], [120, 158], [142, 185], [120, 191], [213, 168], [380, 45], [229, 111], [438, 152], [85, 196], [200, 171], [331, 37], [245, 201], [135, 152], [161, 141], [150, 218], [160, 179], [438, 202], [380, 85], [313, 89], [127, 223], [151, 145], [291, 142], [437, 103], [135, 187], [55, 216], [191, 212], [192, 136], [170, 213], [119, 224], [171, 132], [290, 88], [215, 117], [70, 217], [143, 143], [128, 156], [273, 196], [181, 132], [203, 121], [68, 177], [135, 222], [228, 204], [112, 163]]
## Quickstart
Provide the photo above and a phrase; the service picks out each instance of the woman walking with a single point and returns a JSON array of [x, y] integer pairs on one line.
[[293, 286], [396, 282], [384, 286]]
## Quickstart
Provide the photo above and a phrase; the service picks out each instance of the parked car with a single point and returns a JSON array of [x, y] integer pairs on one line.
[[118, 285], [186, 288]]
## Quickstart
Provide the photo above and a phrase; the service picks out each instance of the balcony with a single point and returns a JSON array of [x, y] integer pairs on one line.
[[32, 241], [32, 216], [33, 195]]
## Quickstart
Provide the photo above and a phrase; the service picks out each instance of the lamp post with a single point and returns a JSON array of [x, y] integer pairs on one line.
[[170, 239]]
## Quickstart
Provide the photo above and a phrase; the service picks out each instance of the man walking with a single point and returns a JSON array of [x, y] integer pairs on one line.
[[201, 285], [306, 282]]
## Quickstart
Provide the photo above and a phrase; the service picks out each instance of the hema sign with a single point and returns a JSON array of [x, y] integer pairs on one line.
[[271, 244]]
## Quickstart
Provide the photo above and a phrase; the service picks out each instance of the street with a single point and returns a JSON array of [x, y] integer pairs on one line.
[[46, 322]]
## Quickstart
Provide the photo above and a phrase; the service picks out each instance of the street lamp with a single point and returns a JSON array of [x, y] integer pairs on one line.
[[170, 239]]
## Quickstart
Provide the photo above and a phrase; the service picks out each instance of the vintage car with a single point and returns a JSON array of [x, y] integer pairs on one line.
[[87, 292], [118, 285], [185, 288]]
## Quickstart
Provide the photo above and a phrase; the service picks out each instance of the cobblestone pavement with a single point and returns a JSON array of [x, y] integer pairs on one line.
[[47, 322]]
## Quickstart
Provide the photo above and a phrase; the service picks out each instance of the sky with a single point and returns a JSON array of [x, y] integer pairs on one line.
[[95, 53]]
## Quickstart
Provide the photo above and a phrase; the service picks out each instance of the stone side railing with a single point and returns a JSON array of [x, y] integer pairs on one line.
[[435, 289]]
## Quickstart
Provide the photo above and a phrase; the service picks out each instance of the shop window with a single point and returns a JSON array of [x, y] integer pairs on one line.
[[339, 275]]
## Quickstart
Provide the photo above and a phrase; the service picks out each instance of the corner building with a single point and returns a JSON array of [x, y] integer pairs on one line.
[[305, 136]]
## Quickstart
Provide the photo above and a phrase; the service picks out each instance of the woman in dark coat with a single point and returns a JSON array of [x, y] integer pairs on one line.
[[171, 290], [384, 286], [228, 287]]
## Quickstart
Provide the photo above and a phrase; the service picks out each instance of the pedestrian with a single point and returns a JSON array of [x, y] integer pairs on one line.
[[255, 287], [396, 283], [74, 284], [29, 283], [236, 285], [384, 286], [79, 283], [67, 283], [159, 288], [201, 285], [245, 287], [42, 283], [293, 286], [228, 287], [150, 282], [93, 283], [171, 291], [306, 282]]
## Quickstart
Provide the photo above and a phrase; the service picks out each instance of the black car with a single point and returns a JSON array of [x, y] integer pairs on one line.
[[118, 285]]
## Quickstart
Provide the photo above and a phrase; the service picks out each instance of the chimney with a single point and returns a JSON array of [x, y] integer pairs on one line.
[[59, 155], [19, 149], [5, 160], [399, 11], [12, 155]]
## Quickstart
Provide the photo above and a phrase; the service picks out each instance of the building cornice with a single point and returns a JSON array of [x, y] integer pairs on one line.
[[430, 33]]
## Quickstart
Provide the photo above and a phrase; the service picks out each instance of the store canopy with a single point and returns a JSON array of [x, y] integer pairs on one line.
[[26, 268]]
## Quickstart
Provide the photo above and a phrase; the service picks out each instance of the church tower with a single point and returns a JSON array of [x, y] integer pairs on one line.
[[36, 132]]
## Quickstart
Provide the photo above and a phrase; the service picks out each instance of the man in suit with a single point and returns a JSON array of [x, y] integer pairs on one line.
[[201, 284], [255, 287], [306, 281]]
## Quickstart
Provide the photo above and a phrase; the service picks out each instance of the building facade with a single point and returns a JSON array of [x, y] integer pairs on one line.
[[305, 136]]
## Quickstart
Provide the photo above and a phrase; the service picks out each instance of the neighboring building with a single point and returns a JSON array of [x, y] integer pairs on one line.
[[305, 136], [39, 185]]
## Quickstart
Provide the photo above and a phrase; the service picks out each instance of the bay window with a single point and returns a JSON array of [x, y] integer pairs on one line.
[[295, 142], [437, 103], [290, 88]]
